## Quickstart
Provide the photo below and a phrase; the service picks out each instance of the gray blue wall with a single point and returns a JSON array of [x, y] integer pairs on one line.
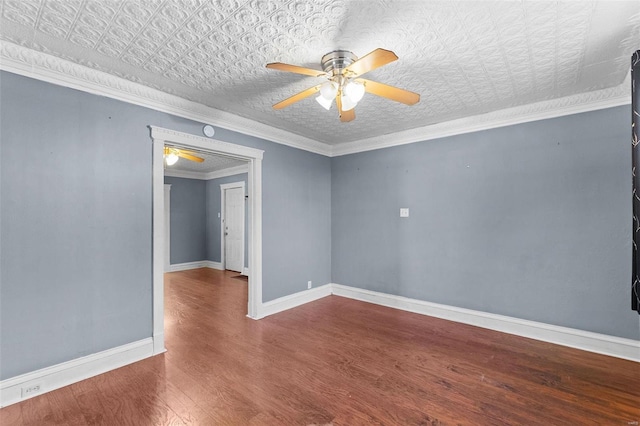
[[75, 185], [188, 220], [531, 221], [195, 222], [297, 221], [296, 216], [76, 213]]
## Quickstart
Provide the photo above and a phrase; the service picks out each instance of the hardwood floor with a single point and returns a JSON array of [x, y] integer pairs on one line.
[[341, 362]]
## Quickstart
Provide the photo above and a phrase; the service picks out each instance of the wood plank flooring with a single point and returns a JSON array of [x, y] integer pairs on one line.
[[340, 362]]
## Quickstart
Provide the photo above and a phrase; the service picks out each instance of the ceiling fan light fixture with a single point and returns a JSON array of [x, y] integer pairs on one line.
[[329, 90], [326, 103], [354, 91], [347, 103], [171, 158]]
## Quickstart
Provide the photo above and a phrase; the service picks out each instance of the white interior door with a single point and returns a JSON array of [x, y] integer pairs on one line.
[[233, 228]]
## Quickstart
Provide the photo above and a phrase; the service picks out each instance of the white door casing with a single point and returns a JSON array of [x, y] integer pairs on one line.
[[167, 227], [253, 156], [232, 226]]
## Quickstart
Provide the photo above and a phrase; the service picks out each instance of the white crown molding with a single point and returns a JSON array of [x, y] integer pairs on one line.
[[185, 174], [30, 63], [231, 171], [66, 373], [584, 102], [41, 66], [217, 174]]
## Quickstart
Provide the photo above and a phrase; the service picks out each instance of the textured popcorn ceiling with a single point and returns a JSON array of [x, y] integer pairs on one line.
[[463, 58]]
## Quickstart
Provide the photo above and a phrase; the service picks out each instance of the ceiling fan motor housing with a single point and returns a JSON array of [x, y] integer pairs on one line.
[[336, 61]]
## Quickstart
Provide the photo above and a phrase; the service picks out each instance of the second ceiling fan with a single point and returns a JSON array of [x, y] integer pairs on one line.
[[171, 155], [343, 69]]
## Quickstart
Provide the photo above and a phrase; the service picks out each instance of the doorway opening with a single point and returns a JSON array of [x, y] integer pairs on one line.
[[253, 157], [206, 231]]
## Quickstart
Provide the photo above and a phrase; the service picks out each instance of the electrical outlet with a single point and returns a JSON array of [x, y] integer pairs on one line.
[[309, 284], [28, 391]]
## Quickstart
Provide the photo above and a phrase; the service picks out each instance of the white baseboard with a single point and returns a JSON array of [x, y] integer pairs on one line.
[[213, 265], [194, 265], [245, 271], [57, 376], [186, 266], [66, 373], [293, 300], [588, 341], [158, 343]]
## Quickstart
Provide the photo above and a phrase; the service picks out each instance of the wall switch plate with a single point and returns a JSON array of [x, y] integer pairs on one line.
[[309, 284], [404, 212]]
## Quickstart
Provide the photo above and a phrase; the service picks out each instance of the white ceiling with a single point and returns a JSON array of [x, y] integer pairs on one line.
[[463, 58]]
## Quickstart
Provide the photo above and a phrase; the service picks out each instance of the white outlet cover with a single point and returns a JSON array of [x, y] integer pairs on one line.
[[404, 212], [31, 390]]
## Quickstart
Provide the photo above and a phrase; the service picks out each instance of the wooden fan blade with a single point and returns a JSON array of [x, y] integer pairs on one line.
[[390, 92], [297, 97], [190, 157], [345, 116], [296, 69], [369, 62]]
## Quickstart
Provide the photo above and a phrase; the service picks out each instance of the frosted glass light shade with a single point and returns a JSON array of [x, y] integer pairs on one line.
[[347, 103], [326, 103], [354, 91], [171, 159], [329, 90]]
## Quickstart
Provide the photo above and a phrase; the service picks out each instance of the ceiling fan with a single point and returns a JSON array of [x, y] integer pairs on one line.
[[343, 69], [171, 155]]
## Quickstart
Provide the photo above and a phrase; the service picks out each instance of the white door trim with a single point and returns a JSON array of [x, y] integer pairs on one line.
[[253, 156], [223, 188], [167, 227]]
